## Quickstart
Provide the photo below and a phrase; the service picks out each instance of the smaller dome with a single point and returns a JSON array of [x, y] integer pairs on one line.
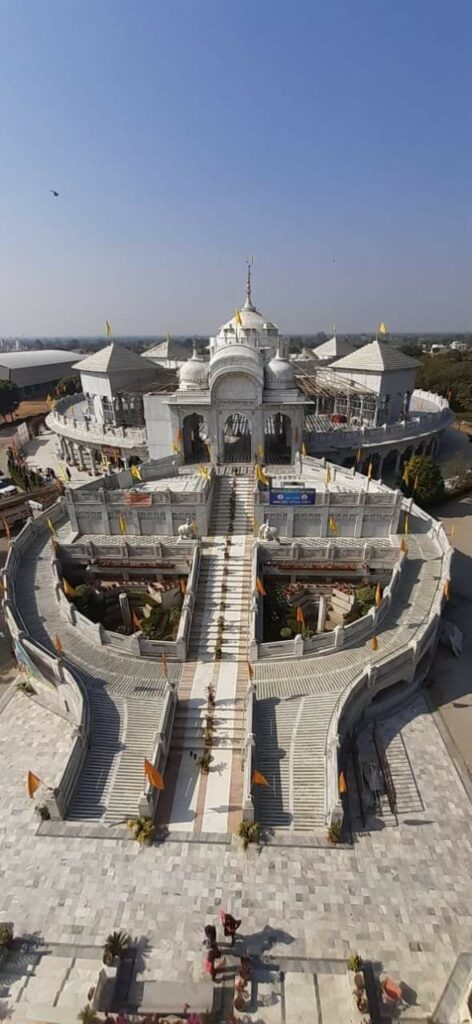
[[280, 373], [193, 375]]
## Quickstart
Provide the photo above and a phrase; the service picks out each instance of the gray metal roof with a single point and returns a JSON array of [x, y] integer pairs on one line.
[[42, 357], [375, 357], [113, 357], [335, 348]]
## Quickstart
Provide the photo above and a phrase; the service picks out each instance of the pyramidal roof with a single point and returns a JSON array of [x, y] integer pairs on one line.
[[374, 357], [113, 357], [168, 349], [335, 348]]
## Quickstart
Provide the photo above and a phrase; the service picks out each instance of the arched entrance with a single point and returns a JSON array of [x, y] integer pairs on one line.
[[194, 436], [237, 439], [278, 439]]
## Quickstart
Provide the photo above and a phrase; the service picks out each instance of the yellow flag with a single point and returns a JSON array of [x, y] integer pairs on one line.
[[369, 471], [332, 524], [250, 671], [405, 527], [152, 774], [136, 472], [403, 546], [122, 524], [33, 783], [108, 328], [328, 474], [374, 643], [57, 644], [383, 329], [304, 450], [378, 595], [258, 779], [6, 527], [260, 587], [359, 455], [406, 476], [238, 318], [177, 448], [50, 526], [300, 616], [69, 590], [262, 475], [446, 588], [342, 783]]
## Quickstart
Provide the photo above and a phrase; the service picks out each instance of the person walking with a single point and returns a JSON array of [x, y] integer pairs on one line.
[[211, 966], [230, 926], [209, 936]]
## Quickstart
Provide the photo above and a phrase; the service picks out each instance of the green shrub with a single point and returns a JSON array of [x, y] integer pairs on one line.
[[6, 934], [249, 832], [354, 962], [116, 943], [142, 829]]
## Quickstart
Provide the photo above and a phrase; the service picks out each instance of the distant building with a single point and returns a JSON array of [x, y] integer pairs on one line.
[[36, 373]]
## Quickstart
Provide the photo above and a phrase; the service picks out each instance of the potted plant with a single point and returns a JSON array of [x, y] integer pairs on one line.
[[204, 762], [142, 829], [87, 1015], [42, 810], [114, 946], [248, 832], [354, 963], [6, 934], [24, 686], [334, 832]]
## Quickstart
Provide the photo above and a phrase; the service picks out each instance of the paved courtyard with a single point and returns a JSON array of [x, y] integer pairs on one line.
[[400, 896]]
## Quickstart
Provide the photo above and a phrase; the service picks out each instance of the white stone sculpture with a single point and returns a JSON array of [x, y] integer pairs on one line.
[[186, 531], [268, 532]]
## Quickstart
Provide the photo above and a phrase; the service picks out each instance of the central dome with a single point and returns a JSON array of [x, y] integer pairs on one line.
[[193, 375]]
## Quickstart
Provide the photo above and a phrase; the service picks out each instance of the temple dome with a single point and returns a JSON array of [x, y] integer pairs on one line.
[[279, 373], [193, 375]]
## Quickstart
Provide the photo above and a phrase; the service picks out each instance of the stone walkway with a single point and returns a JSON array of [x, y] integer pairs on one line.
[[400, 896]]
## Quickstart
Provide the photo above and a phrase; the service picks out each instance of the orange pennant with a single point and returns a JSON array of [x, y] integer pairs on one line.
[[374, 643], [342, 783], [260, 587], [6, 527], [300, 616], [378, 595], [136, 621], [258, 779], [152, 774], [250, 671], [33, 783], [57, 644], [183, 586], [446, 588]]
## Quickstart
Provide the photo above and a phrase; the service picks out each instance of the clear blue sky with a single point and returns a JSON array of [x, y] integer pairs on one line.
[[184, 135]]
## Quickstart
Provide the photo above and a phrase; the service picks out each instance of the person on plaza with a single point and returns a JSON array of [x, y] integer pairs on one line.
[[211, 966], [68, 473], [210, 936], [230, 925]]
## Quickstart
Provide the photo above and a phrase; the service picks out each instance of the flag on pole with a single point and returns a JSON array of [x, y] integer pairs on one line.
[[405, 527], [446, 588], [374, 643], [403, 546], [342, 783], [136, 473], [406, 476], [258, 779], [122, 525], [33, 783], [176, 448], [250, 671], [369, 471], [383, 329], [260, 587], [358, 455], [304, 450], [6, 527], [378, 595], [152, 774], [238, 318], [135, 620], [50, 526], [108, 328], [204, 472], [57, 644], [300, 616], [332, 524], [183, 586], [69, 590], [328, 475], [165, 666]]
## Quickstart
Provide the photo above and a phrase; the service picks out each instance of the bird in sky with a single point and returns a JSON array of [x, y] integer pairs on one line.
[[54, 192]]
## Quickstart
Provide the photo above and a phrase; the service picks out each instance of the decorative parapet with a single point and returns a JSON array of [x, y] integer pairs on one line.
[[83, 428], [417, 425]]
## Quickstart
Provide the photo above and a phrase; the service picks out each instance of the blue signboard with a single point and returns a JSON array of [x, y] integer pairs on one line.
[[292, 496]]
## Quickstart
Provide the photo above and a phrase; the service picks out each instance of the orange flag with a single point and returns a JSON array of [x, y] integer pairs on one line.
[[300, 616], [250, 671], [6, 527], [151, 773], [258, 779], [260, 587], [342, 783], [374, 643], [183, 586], [403, 546], [164, 664], [57, 644], [136, 621], [33, 783], [446, 588], [378, 595]]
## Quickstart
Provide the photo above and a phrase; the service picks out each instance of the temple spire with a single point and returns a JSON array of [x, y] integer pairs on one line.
[[248, 303]]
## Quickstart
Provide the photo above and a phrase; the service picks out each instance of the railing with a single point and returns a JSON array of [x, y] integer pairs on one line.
[[362, 437], [247, 754], [150, 796], [85, 428]]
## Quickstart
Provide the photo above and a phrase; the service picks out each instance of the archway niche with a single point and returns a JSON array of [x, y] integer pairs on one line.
[[237, 438], [278, 439], [194, 435]]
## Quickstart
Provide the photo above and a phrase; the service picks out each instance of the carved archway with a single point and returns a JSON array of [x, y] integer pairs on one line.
[[194, 434], [278, 439], [237, 439]]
